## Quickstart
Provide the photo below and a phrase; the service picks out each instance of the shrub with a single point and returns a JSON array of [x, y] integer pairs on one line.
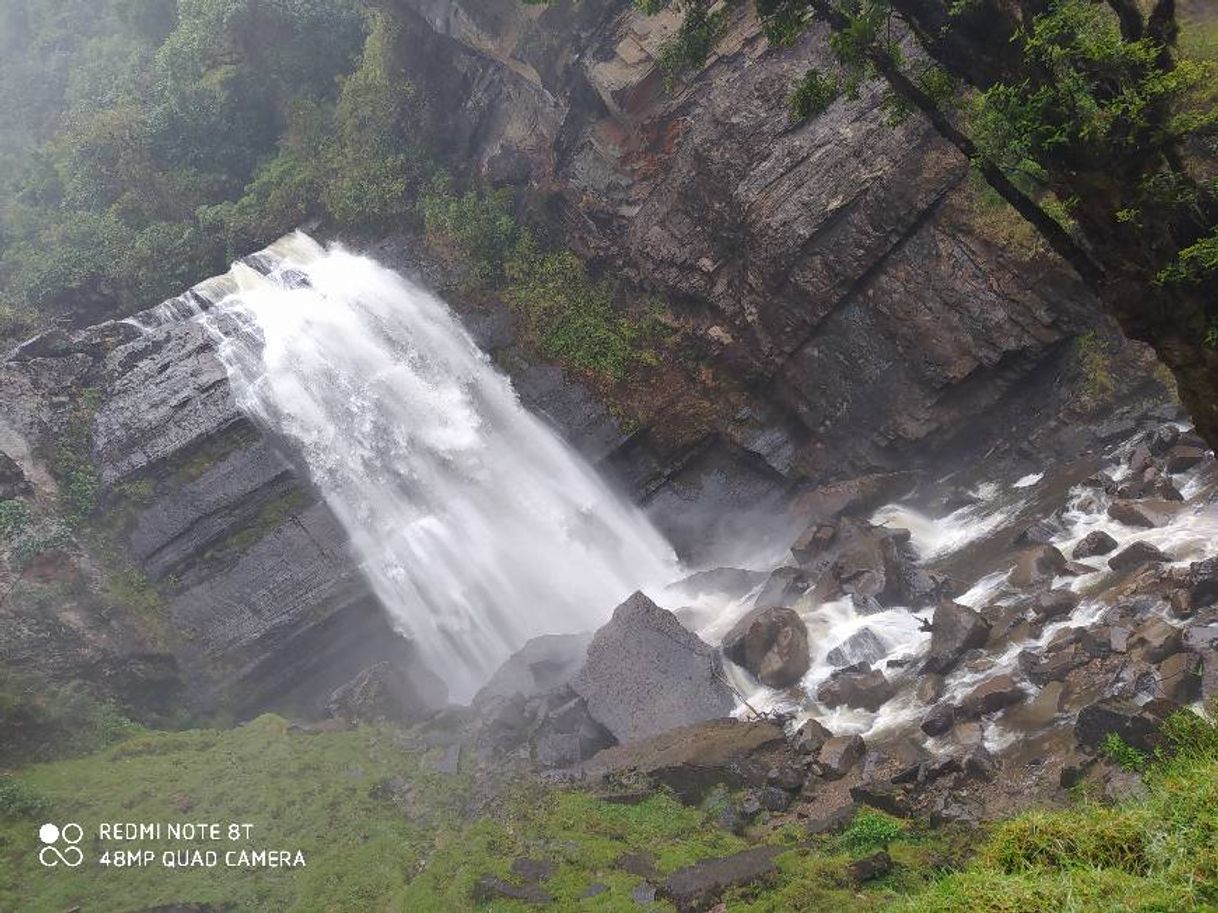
[[693, 42], [478, 225], [872, 830], [1122, 753], [813, 94], [19, 801], [14, 518]]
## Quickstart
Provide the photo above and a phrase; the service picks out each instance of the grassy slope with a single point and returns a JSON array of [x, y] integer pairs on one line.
[[315, 792]]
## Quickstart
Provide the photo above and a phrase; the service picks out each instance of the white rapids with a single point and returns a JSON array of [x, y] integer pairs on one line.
[[478, 526]]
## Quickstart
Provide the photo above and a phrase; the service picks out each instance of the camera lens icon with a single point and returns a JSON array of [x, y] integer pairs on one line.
[[51, 835]]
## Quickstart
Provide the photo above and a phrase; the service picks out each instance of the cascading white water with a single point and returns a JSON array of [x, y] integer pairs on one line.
[[477, 525]]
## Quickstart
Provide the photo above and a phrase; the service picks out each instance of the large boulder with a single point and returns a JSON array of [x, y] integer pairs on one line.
[[691, 760], [646, 674], [955, 629], [384, 692], [857, 686], [772, 643], [1094, 543], [863, 646], [1147, 514], [543, 664], [696, 887], [1037, 565], [1137, 726], [1137, 555]]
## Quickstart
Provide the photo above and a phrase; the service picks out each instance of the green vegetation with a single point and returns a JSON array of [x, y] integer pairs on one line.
[[814, 93], [1096, 362], [145, 143], [565, 315], [700, 31], [872, 830], [42, 720], [14, 518], [1122, 754], [382, 828]]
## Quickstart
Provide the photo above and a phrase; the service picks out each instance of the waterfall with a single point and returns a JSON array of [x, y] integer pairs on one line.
[[478, 526]]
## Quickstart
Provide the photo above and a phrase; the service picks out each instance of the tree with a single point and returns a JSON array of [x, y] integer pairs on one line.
[[1085, 116]]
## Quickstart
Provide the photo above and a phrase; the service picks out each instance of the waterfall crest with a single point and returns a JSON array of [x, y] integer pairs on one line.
[[478, 526]]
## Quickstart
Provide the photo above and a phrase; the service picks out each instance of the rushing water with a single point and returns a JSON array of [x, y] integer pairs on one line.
[[477, 525]]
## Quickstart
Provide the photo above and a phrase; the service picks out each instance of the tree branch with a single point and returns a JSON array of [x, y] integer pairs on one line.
[[1048, 227]]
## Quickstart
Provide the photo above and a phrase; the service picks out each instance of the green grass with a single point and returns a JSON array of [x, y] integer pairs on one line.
[[425, 848]]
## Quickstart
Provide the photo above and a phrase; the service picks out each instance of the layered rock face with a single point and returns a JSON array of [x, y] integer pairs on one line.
[[258, 602], [833, 263]]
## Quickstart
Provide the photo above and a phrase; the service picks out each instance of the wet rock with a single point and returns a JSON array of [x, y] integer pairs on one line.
[[13, 482], [809, 737], [595, 890], [1179, 678], [380, 693], [1144, 514], [784, 587], [857, 686], [1123, 786], [978, 763], [1162, 439], [1140, 459], [1137, 555], [1040, 532], [863, 646], [646, 674], [641, 864], [955, 629], [1155, 640], [490, 888], [1053, 664], [1137, 725], [534, 870], [953, 808], [814, 541], [1202, 583], [1102, 481], [865, 605], [930, 688], [1078, 569], [1054, 604], [644, 895], [772, 643], [694, 887], [840, 754], [993, 695], [1183, 457], [940, 719], [870, 868], [1037, 565], [827, 817], [1094, 543], [542, 664], [691, 760], [891, 798]]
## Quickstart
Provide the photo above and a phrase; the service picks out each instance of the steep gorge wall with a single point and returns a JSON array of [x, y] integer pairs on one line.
[[834, 264]]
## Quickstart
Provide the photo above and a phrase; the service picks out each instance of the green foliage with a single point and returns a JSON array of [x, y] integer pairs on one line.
[[646, 7], [1096, 363], [19, 801], [42, 719], [783, 21], [39, 540], [478, 225], [813, 94], [872, 830], [693, 42], [1122, 753], [14, 518], [571, 317], [146, 142], [1195, 263]]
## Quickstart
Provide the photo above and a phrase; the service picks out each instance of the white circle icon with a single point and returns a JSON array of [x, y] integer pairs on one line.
[[71, 855]]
